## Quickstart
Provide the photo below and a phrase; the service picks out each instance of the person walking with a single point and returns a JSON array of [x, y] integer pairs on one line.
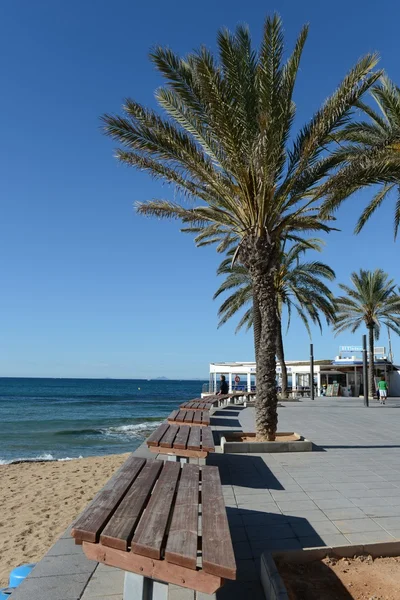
[[382, 389], [224, 388]]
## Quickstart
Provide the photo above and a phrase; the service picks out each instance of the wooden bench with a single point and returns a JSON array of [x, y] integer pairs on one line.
[[200, 418], [182, 440], [198, 405], [146, 522]]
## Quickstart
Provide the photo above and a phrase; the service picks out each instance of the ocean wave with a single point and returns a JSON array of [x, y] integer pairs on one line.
[[133, 429], [130, 429], [46, 457], [79, 432]]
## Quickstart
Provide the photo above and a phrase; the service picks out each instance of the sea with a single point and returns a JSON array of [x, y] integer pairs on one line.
[[62, 419]]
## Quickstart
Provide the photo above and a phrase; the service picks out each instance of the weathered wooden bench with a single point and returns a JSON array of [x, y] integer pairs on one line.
[[198, 405], [181, 441], [161, 523], [199, 418]]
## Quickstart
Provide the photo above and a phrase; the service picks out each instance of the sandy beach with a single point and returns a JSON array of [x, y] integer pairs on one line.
[[39, 501]]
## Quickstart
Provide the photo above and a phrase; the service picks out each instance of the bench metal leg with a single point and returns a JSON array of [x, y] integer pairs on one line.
[[137, 587], [174, 458]]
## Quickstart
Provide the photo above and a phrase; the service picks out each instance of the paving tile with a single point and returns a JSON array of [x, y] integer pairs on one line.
[[287, 544], [247, 570], [62, 587], [362, 494], [242, 550], [344, 513], [334, 503], [325, 495], [279, 496], [65, 546], [257, 507], [269, 532], [264, 498], [323, 540], [357, 525], [63, 565], [381, 485], [381, 511], [237, 590], [238, 534], [288, 507], [369, 537], [349, 486], [389, 523], [308, 515], [306, 529], [317, 487]]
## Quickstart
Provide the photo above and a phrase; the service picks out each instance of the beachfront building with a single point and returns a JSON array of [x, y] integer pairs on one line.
[[341, 376]]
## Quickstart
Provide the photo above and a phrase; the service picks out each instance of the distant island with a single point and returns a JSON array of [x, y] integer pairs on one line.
[[160, 379]]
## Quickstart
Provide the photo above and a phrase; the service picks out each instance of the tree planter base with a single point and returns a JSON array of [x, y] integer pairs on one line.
[[233, 443], [274, 586]]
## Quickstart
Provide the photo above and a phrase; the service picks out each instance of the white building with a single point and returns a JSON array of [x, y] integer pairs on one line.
[[341, 376]]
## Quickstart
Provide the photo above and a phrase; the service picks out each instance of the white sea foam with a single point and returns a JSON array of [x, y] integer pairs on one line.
[[47, 457], [131, 430]]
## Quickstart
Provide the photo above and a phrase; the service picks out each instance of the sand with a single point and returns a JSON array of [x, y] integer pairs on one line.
[[359, 578], [39, 501]]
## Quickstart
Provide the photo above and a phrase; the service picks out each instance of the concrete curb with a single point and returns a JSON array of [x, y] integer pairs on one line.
[[232, 447], [273, 585]]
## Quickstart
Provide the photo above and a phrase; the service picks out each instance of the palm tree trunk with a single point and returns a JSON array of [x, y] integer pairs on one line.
[[371, 361], [259, 257], [280, 353], [256, 325], [266, 399]]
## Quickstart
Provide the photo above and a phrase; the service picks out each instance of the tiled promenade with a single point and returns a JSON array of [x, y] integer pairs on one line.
[[346, 491]]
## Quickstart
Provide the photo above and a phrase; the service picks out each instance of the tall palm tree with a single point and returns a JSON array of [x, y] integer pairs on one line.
[[226, 143], [299, 287], [373, 301], [370, 154]]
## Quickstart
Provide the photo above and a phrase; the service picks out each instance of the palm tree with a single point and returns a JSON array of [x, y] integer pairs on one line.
[[370, 154], [299, 286], [372, 301], [226, 143]]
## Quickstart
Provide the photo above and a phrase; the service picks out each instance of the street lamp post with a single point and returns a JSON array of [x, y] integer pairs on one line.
[[312, 371], [365, 371]]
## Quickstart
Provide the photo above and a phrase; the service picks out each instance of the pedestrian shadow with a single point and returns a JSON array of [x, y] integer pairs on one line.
[[245, 471], [255, 531]]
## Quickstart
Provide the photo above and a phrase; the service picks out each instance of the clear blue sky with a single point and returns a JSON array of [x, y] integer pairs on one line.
[[88, 288]]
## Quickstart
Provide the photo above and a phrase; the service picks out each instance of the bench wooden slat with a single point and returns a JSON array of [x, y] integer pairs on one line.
[[169, 436], [88, 526], [207, 439], [155, 437], [118, 531], [194, 439], [181, 416], [149, 535], [182, 437], [205, 418], [218, 556], [198, 416], [173, 415], [181, 546], [189, 416]]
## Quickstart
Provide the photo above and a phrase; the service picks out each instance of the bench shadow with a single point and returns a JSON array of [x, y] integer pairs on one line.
[[245, 471], [256, 531], [230, 412], [224, 422]]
